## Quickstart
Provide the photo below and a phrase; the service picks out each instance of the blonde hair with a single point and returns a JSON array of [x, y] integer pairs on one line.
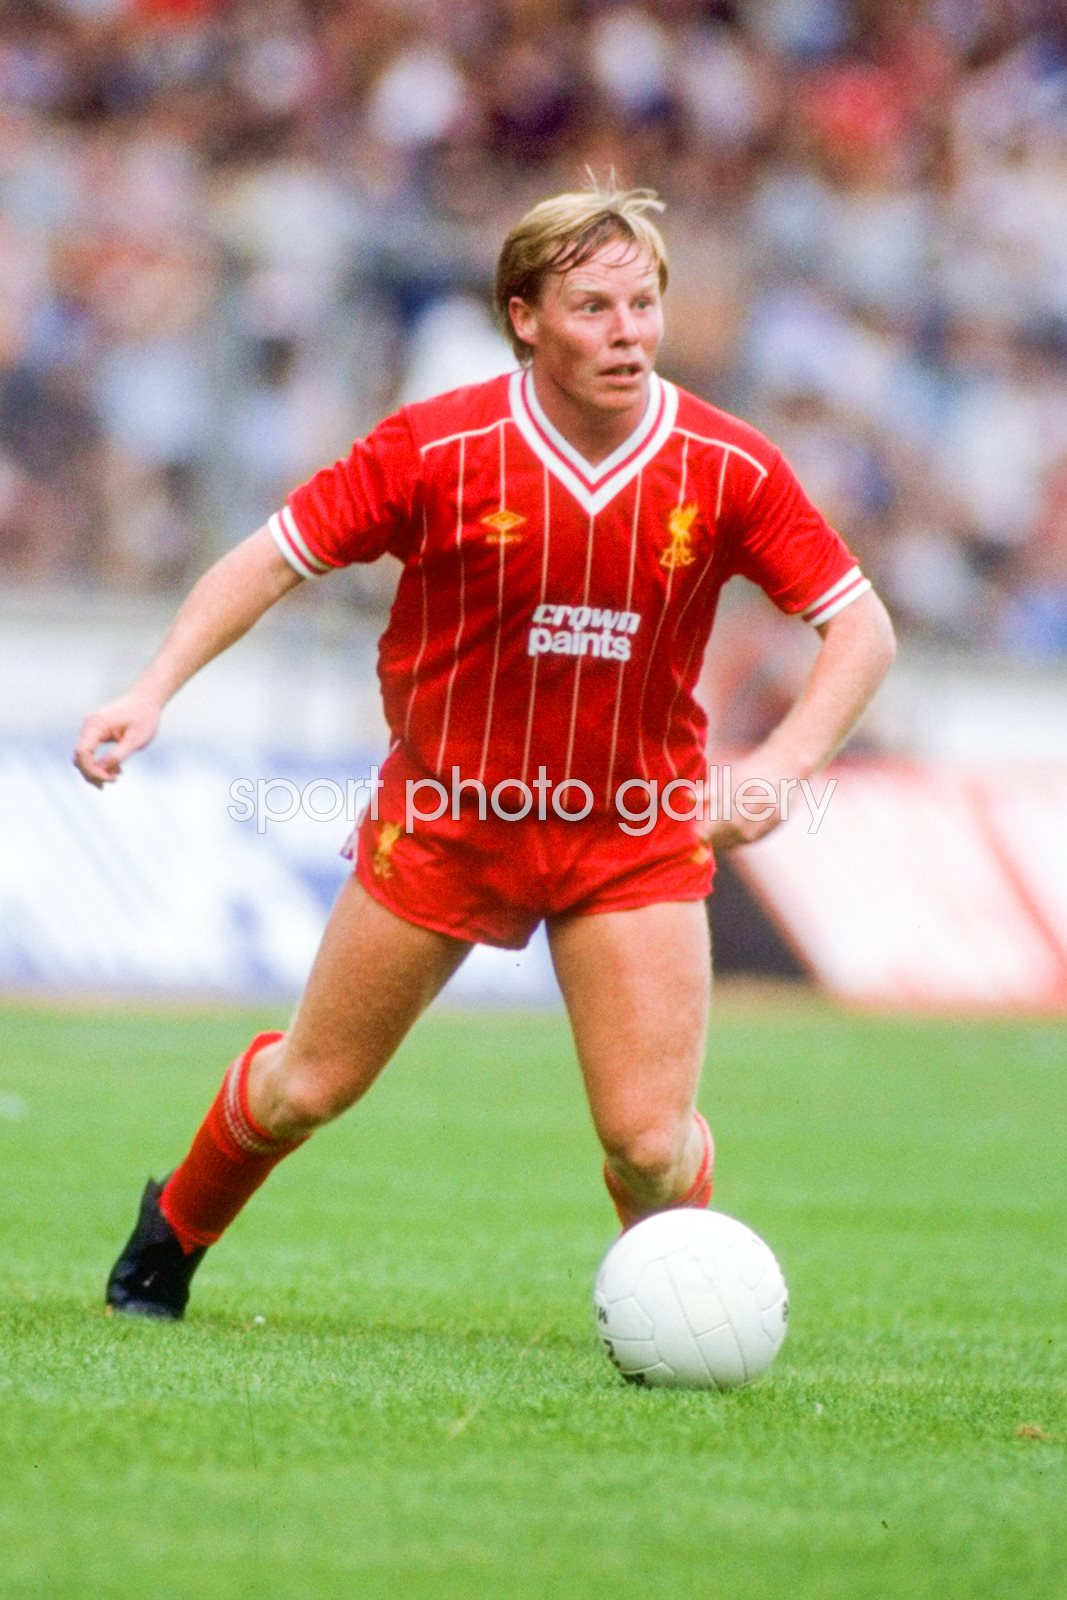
[[563, 232]]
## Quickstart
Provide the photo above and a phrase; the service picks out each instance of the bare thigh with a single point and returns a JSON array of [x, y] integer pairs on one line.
[[373, 976], [637, 986]]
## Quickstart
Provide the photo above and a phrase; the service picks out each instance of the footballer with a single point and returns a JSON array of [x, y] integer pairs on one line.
[[564, 532]]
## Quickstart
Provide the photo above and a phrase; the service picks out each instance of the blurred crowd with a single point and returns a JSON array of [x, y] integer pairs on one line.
[[233, 234]]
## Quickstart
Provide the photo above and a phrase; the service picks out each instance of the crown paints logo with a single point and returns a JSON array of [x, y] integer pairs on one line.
[[582, 631]]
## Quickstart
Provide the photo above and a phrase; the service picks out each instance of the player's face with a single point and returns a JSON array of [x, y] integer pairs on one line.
[[595, 331]]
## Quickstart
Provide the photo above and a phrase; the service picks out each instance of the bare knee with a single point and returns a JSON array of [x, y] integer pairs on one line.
[[652, 1157], [292, 1096], [309, 1100]]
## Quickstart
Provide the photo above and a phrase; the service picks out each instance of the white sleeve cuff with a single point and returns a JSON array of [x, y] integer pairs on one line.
[[293, 546], [837, 597]]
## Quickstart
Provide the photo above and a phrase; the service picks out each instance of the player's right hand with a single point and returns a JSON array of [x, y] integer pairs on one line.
[[122, 727]]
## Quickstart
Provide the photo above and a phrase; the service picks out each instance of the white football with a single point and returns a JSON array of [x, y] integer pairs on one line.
[[691, 1300]]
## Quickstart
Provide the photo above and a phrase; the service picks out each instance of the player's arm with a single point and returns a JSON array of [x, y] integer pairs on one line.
[[857, 650], [219, 609]]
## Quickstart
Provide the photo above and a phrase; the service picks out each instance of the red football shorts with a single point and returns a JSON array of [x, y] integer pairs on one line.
[[492, 881]]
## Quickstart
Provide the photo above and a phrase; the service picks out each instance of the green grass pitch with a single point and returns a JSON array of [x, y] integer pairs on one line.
[[389, 1386]]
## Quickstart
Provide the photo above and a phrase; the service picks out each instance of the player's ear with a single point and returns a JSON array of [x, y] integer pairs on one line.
[[523, 319]]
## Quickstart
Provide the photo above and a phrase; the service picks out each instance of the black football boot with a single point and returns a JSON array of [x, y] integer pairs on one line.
[[152, 1275]]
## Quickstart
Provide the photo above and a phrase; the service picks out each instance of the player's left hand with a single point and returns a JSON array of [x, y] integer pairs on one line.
[[754, 801], [729, 832]]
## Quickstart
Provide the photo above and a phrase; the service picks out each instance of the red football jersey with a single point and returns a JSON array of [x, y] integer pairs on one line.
[[551, 613]]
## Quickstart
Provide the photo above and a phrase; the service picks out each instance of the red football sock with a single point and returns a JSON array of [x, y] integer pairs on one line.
[[230, 1157], [698, 1195]]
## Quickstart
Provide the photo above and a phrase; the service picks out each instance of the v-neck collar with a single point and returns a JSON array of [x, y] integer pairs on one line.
[[593, 486]]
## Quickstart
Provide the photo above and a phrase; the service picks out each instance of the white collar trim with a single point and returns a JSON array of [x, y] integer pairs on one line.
[[594, 486]]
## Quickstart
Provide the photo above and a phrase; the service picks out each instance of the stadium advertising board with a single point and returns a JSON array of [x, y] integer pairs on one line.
[[919, 887]]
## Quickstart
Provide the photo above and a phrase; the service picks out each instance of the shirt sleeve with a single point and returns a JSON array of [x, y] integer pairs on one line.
[[355, 510], [787, 547]]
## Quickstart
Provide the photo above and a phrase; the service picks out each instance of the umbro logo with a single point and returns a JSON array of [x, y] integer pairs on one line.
[[503, 526]]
